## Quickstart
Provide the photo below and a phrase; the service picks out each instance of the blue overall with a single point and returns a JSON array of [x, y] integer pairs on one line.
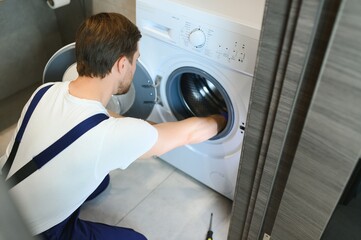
[[72, 228]]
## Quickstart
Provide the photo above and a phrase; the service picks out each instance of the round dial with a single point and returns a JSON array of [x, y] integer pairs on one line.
[[197, 38]]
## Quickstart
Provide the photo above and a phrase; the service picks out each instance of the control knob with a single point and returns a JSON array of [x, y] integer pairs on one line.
[[197, 38]]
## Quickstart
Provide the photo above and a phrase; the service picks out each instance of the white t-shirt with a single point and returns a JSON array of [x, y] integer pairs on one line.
[[55, 191]]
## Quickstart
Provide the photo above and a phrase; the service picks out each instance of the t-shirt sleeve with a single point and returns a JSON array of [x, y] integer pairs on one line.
[[125, 140]]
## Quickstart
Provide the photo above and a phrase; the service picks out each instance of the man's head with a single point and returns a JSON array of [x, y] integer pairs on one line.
[[101, 40]]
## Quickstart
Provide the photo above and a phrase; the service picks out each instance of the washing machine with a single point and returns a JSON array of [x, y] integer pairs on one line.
[[200, 57], [196, 59]]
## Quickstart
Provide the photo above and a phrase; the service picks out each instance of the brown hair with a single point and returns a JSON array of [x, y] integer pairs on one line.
[[101, 40]]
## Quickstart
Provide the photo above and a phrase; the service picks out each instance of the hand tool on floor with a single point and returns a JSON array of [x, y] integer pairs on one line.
[[210, 232]]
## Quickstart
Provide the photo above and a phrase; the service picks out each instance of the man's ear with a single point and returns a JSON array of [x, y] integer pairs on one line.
[[121, 63]]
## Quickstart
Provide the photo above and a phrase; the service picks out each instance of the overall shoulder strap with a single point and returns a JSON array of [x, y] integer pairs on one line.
[[34, 102], [49, 153]]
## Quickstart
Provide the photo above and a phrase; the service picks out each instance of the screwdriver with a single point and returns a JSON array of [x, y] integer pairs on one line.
[[210, 232]]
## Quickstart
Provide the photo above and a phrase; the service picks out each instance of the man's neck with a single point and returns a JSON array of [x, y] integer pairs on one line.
[[90, 88]]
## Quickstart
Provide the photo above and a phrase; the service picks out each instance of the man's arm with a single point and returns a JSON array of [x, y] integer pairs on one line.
[[189, 131]]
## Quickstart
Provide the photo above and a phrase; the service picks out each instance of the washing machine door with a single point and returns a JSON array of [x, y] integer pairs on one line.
[[138, 102]]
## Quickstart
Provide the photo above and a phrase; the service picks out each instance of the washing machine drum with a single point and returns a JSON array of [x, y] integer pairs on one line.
[[193, 92], [201, 97]]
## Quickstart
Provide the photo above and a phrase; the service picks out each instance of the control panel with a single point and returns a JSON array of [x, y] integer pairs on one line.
[[226, 44], [229, 48]]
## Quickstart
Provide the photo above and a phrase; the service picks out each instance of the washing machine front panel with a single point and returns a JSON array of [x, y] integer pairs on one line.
[[214, 162], [198, 54]]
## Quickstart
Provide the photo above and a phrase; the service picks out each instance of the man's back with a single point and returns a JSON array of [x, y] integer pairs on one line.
[[55, 191]]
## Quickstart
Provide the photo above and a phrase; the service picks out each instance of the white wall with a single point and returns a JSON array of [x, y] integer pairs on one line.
[[125, 7]]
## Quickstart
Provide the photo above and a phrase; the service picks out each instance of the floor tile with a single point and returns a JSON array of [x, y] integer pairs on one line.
[[180, 208], [127, 188]]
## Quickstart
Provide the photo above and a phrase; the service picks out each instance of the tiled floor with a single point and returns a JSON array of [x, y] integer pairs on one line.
[[156, 199]]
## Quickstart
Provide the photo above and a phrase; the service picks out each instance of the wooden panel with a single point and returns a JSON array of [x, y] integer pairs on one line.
[[293, 102], [275, 18], [315, 20], [330, 143]]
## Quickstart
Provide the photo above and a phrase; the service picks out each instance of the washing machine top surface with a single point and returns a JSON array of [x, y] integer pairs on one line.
[[246, 12]]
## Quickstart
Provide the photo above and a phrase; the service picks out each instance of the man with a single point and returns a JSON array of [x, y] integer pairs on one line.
[[50, 197]]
